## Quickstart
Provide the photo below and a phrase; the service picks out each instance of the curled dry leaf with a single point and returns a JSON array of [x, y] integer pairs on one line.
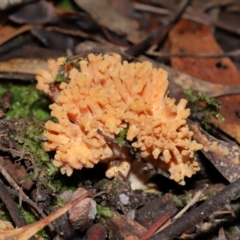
[[223, 155]]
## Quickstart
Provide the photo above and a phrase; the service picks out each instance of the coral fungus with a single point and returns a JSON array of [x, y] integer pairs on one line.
[[103, 92]]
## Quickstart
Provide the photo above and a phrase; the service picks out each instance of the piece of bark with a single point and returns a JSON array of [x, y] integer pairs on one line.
[[120, 227]]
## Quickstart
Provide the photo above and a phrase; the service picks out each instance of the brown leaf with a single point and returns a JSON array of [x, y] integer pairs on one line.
[[219, 71], [21, 65], [7, 30], [125, 7], [32, 52], [6, 226], [179, 81], [109, 17], [223, 155], [17, 171]]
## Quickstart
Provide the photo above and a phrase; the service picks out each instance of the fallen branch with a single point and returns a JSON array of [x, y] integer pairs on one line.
[[189, 220]]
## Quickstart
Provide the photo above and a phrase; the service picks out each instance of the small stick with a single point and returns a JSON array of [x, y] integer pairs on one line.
[[12, 183], [234, 53], [11, 206], [191, 203], [24, 28], [158, 34], [21, 195], [189, 220]]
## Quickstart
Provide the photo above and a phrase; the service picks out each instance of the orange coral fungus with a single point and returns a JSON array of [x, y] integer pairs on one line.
[[103, 92]]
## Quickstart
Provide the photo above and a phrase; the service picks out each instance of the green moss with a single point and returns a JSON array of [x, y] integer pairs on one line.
[[65, 4], [187, 198], [67, 65], [204, 107], [103, 212], [178, 201], [60, 78], [2, 90], [233, 229], [121, 137], [32, 142], [211, 195], [58, 202], [24, 99], [5, 217], [29, 138]]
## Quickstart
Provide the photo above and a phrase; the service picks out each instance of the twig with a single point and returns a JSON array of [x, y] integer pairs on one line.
[[29, 201], [235, 53], [74, 32], [156, 226], [11, 206], [216, 4], [12, 183], [20, 30], [190, 14], [189, 220], [21, 195], [158, 34], [191, 203]]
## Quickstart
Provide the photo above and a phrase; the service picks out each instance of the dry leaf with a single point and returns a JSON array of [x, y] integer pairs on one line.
[[6, 226], [179, 81], [21, 65], [214, 70], [223, 155], [109, 17]]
